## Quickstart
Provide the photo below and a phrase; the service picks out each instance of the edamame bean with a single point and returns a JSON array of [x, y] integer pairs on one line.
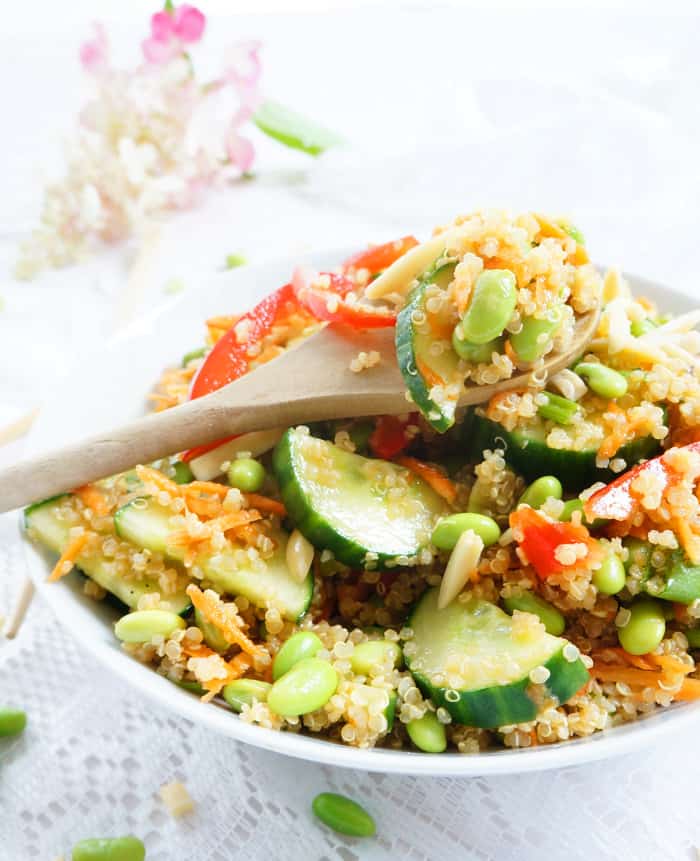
[[141, 625], [242, 692], [303, 689], [343, 815], [645, 629], [12, 722], [532, 341], [576, 504], [643, 327], [638, 560], [602, 380], [427, 733], [471, 352], [448, 529], [693, 637], [212, 635], [609, 579], [183, 473], [109, 849], [193, 354], [528, 602], [491, 307], [303, 644], [557, 409], [246, 474], [540, 490], [375, 655]]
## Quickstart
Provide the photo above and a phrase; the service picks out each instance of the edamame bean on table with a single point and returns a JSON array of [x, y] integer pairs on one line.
[[454, 576]]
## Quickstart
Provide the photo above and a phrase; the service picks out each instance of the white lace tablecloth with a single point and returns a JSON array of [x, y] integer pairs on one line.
[[612, 142]]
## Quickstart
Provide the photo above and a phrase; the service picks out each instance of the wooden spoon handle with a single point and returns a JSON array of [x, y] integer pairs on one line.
[[142, 441]]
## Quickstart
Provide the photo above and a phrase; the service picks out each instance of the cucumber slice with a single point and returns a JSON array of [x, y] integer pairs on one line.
[[484, 664], [528, 453], [147, 524], [419, 366], [44, 523], [340, 501]]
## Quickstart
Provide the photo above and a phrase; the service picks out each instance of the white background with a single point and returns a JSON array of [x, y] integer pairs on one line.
[[588, 110]]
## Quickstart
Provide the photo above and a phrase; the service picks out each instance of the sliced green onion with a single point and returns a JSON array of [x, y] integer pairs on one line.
[[293, 129]]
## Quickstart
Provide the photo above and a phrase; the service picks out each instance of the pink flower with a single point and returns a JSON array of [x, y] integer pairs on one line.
[[93, 52], [171, 31], [239, 149], [245, 65]]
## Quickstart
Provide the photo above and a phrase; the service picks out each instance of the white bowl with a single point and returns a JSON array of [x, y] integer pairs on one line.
[[110, 387]]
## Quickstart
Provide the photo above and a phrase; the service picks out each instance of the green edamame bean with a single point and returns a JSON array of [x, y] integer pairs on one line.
[[246, 474], [212, 635], [303, 689], [528, 602], [610, 577], [531, 342], [693, 636], [141, 625], [427, 733], [390, 711], [537, 493], [375, 655], [491, 307], [602, 380], [193, 354], [645, 628], [576, 504], [12, 722], [303, 644], [557, 409], [643, 327], [448, 529], [109, 849], [183, 473], [343, 815], [242, 692], [471, 352]]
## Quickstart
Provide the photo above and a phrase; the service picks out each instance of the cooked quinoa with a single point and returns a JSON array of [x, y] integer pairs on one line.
[[589, 598]]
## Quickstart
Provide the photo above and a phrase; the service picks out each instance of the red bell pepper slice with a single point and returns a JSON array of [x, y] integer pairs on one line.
[[541, 537], [380, 256], [328, 303], [617, 501], [389, 437], [230, 357]]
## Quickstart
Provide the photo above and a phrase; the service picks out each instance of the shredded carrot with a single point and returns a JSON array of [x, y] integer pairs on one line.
[[224, 522], [70, 554], [621, 433], [690, 690], [93, 497], [689, 539], [670, 664], [229, 623], [439, 482], [235, 668], [639, 661], [626, 675], [153, 476], [549, 228], [510, 352], [428, 374], [265, 504], [579, 256], [211, 487], [494, 403]]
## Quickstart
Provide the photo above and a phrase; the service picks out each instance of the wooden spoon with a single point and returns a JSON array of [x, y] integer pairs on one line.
[[311, 382]]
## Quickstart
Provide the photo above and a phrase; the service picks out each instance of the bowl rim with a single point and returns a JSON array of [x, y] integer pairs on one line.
[[614, 741]]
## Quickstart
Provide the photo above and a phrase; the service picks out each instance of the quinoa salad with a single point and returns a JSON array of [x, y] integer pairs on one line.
[[514, 574]]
